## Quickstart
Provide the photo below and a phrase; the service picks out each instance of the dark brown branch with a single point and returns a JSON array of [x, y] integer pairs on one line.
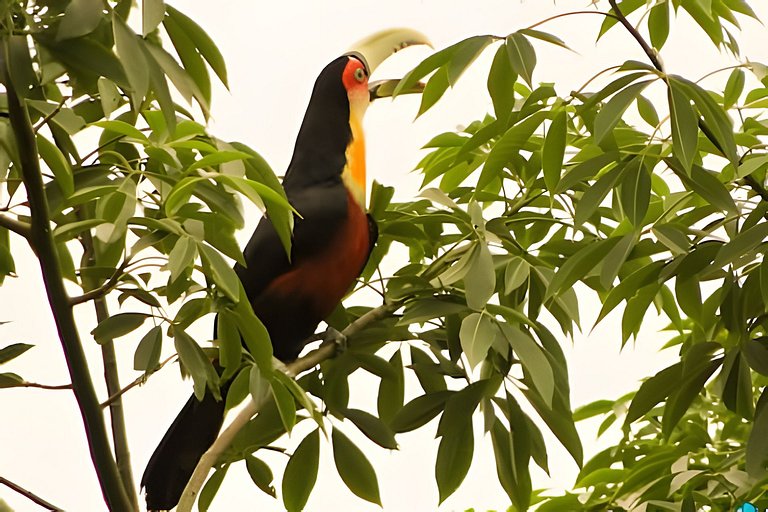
[[17, 226], [650, 52], [30, 495]]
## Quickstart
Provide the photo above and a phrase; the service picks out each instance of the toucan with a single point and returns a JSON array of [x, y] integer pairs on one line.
[[332, 240]]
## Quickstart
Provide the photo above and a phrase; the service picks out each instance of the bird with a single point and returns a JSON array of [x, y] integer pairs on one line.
[[332, 239]]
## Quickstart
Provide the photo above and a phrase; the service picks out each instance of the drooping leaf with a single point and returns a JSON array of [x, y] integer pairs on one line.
[[354, 469], [685, 130], [301, 473], [522, 56]]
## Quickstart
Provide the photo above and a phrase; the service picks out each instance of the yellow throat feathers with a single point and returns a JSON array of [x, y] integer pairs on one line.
[[353, 174]]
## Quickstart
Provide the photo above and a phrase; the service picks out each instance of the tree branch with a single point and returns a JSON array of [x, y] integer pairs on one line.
[[650, 52], [751, 182], [17, 226], [37, 385], [29, 494], [100, 291], [293, 369], [41, 239]]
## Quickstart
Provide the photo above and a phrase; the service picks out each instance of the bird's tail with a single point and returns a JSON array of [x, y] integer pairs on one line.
[[174, 460]]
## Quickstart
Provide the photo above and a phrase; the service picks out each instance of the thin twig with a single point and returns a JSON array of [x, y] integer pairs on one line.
[[298, 366], [101, 290], [37, 385], [30, 495], [571, 13], [138, 382], [20, 228], [50, 116]]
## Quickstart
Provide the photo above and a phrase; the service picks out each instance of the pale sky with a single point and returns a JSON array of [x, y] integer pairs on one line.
[[274, 52]]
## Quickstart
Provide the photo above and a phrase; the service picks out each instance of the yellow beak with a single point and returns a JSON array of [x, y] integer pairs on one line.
[[376, 48]]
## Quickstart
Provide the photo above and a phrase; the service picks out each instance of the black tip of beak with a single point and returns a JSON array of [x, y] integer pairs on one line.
[[385, 88]]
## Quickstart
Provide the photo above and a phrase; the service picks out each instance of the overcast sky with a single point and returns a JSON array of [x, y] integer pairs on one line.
[[274, 51]]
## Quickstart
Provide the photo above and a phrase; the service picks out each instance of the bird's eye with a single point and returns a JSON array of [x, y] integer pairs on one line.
[[359, 74]]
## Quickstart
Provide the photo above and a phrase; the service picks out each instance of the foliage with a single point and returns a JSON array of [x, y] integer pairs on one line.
[[646, 203]]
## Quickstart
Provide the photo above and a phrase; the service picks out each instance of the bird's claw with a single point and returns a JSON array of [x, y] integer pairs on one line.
[[335, 337]]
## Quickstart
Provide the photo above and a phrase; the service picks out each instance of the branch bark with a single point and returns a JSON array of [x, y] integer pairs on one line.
[[17, 226], [41, 239], [293, 369], [29, 494]]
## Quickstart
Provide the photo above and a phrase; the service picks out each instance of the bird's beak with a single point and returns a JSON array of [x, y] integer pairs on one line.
[[385, 88], [378, 47]]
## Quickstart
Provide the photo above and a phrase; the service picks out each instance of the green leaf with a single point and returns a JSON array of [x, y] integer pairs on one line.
[[553, 150], [465, 54], [742, 244], [647, 111], [734, 87], [522, 56], [480, 280], [286, 406], [261, 474], [254, 334], [635, 193], [434, 90], [109, 95], [578, 265], [301, 473], [615, 259], [230, 345], [196, 363], [419, 411], [757, 444], [152, 14], [218, 158], [129, 49], [515, 274], [117, 325], [658, 24], [147, 355], [10, 380], [706, 184], [514, 479], [592, 409], [58, 164], [220, 271], [354, 468], [686, 391], [13, 351], [477, 334], [211, 488], [81, 18], [454, 457], [685, 129], [611, 113], [501, 83], [123, 128], [203, 43], [389, 401], [373, 428], [595, 194], [544, 36], [533, 359], [190, 58], [182, 256], [653, 391], [715, 118]]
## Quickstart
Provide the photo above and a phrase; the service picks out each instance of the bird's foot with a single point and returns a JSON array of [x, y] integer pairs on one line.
[[335, 337]]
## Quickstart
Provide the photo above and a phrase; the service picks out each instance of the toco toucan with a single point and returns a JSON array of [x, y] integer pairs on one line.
[[332, 239]]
